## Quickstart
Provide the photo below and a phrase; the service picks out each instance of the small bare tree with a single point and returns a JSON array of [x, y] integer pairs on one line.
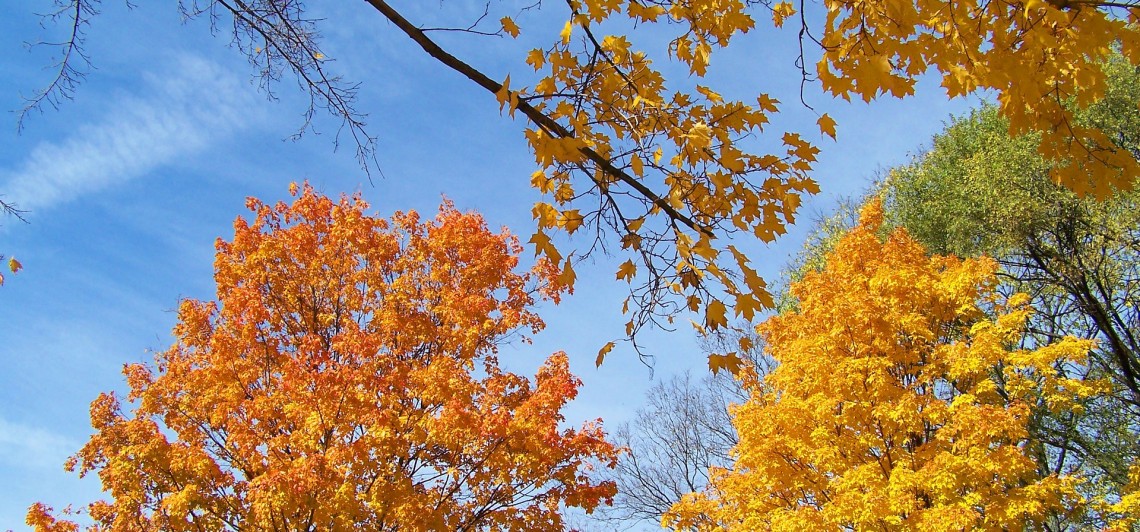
[[683, 430]]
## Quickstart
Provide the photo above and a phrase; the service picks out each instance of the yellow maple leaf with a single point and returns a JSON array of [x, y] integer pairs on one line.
[[700, 135], [571, 220], [827, 125], [715, 315], [565, 35], [504, 94], [644, 13], [746, 306], [509, 26], [637, 165], [536, 58], [782, 11], [626, 271], [543, 246], [568, 276], [605, 350], [729, 362]]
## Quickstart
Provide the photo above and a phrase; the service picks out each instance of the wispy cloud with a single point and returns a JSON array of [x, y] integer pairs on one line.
[[27, 446], [181, 111]]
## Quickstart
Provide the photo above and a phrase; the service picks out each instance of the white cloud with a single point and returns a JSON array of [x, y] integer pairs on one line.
[[182, 111], [33, 447]]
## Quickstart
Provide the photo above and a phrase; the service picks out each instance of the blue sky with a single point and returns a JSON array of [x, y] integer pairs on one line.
[[128, 186]]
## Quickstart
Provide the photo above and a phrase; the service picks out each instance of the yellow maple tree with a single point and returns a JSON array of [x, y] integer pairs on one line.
[[346, 379], [900, 401]]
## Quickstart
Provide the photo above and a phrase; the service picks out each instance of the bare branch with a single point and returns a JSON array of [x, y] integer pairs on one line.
[[68, 75], [11, 209]]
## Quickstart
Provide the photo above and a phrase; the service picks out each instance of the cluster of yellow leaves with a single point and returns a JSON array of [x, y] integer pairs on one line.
[[673, 177], [898, 403], [669, 165], [1128, 507], [1041, 59], [346, 379]]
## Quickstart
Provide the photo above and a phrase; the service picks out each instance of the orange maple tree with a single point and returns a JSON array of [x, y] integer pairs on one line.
[[901, 402], [346, 379]]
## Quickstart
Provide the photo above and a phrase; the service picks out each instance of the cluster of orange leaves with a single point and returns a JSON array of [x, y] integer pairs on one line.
[[346, 379], [687, 147], [900, 402]]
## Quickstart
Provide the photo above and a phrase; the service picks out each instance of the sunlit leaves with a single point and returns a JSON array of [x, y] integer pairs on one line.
[[899, 402], [346, 378], [605, 350], [715, 315], [782, 11], [1038, 57], [827, 125], [619, 141], [731, 363], [674, 158], [626, 271], [1129, 505], [509, 26], [669, 167]]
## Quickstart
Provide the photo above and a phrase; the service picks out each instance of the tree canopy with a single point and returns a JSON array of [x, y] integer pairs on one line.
[[978, 191], [346, 378], [900, 401]]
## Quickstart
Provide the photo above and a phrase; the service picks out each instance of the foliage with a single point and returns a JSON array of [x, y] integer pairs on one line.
[[346, 379], [899, 402], [821, 240], [662, 166], [979, 191], [1129, 505]]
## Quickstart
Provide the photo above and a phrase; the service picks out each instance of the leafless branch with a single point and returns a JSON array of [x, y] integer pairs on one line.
[[11, 209], [67, 73]]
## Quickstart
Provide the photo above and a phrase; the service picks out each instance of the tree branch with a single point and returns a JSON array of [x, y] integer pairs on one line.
[[67, 76], [538, 117]]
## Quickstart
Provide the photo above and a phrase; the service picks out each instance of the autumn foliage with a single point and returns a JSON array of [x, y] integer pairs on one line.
[[607, 120], [636, 141], [346, 379], [900, 402]]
